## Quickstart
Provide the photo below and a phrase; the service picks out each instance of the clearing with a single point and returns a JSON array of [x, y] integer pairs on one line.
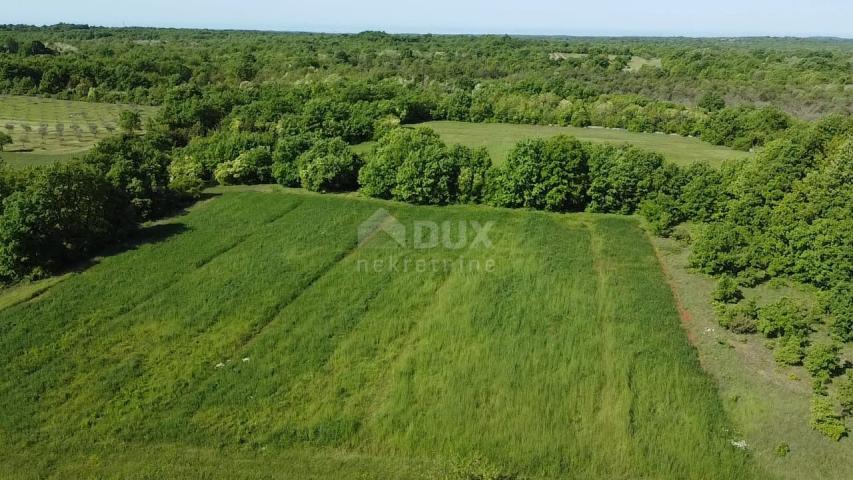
[[499, 138], [256, 336]]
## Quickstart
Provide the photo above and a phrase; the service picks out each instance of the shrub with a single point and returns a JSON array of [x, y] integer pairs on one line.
[[782, 450], [825, 419], [249, 168], [720, 248], [662, 213], [845, 393], [790, 350], [737, 318], [428, 176], [839, 306], [186, 175], [329, 166], [727, 290], [785, 318], [822, 361]]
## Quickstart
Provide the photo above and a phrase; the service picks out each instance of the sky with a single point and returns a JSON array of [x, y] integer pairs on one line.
[[590, 17]]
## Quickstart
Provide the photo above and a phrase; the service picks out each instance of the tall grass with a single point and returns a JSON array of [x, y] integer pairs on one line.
[[254, 331]]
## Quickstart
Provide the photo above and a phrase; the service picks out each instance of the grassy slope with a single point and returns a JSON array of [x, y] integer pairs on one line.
[[566, 360], [770, 403], [499, 138]]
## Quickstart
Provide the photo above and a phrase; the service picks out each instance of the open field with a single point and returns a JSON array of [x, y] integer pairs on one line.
[[499, 138], [254, 336], [46, 127], [769, 402]]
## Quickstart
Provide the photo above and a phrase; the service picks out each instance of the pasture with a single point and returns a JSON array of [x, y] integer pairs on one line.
[[499, 138], [259, 334], [49, 129]]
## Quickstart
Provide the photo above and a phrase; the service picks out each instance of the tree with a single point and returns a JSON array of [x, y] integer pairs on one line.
[[59, 214], [378, 178], [550, 174], [137, 166], [5, 139], [329, 166], [249, 168], [129, 121]]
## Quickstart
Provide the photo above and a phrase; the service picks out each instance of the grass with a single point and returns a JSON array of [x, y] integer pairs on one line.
[[46, 130], [254, 337], [769, 403], [499, 138]]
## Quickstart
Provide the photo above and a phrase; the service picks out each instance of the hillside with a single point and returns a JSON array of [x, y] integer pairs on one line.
[[256, 335]]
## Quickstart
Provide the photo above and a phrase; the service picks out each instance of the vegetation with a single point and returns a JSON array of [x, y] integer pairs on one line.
[[289, 113], [188, 349]]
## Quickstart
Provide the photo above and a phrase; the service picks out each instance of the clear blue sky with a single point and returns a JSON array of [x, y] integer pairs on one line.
[[589, 17]]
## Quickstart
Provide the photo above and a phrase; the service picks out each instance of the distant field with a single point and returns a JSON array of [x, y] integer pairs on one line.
[[499, 138], [254, 337], [43, 127]]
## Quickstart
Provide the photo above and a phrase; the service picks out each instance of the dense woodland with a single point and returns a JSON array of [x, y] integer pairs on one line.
[[251, 107]]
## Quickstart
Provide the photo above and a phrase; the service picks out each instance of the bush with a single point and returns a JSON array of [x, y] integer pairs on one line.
[[249, 168], [822, 361], [738, 318], [727, 290], [825, 419], [329, 166], [719, 248], [546, 174], [845, 393], [662, 214], [186, 175], [839, 306], [785, 318], [790, 350]]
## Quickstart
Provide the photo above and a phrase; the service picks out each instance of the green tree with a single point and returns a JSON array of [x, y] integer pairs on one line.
[[329, 166], [129, 121]]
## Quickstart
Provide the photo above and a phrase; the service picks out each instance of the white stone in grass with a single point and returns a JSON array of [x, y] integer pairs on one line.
[[220, 365], [741, 444], [245, 359]]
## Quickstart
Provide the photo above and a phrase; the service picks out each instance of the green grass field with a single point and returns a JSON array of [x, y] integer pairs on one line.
[[46, 130], [255, 337], [499, 139]]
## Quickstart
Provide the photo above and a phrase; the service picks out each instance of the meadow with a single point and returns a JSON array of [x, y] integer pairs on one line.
[[44, 130], [499, 138], [255, 336]]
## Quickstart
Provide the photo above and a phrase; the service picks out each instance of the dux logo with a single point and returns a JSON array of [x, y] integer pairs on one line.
[[427, 234]]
